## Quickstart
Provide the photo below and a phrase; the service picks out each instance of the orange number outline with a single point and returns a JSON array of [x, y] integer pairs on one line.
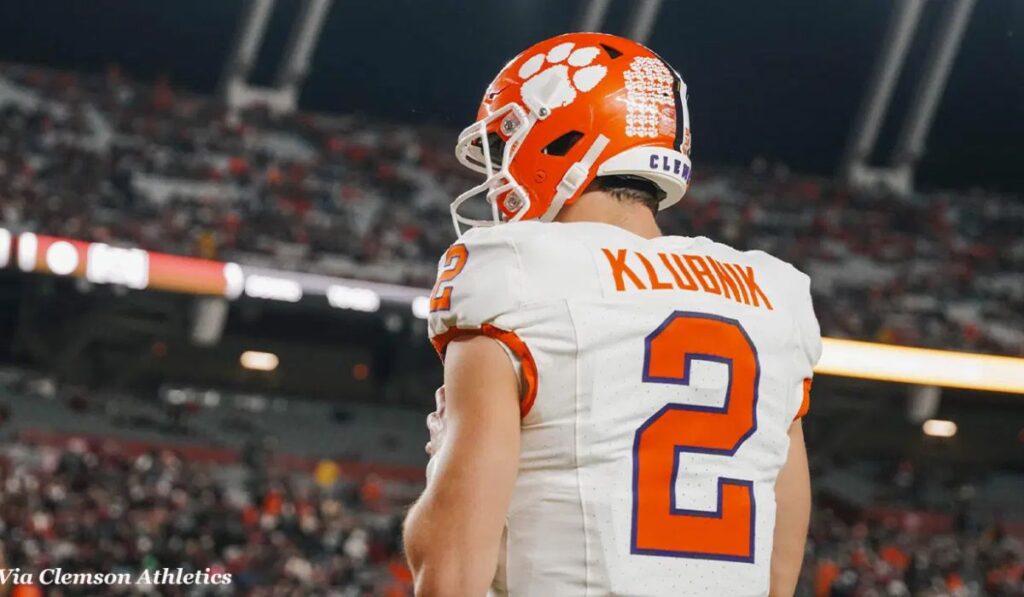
[[659, 528], [454, 260]]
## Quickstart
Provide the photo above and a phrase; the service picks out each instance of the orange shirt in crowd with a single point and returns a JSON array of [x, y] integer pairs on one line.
[[26, 591], [895, 557], [826, 574]]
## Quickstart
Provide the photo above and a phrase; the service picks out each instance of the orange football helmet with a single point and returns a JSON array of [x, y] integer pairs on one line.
[[567, 110]]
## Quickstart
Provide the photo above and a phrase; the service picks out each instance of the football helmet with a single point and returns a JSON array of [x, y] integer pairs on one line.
[[567, 110]]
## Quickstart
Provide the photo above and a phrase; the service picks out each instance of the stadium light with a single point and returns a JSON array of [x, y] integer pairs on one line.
[[62, 258], [923, 366], [122, 266], [234, 280], [356, 299], [5, 247], [28, 243], [259, 361], [273, 288], [421, 307], [939, 428]]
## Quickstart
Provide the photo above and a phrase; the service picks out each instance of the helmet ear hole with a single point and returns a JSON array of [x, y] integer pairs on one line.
[[563, 144]]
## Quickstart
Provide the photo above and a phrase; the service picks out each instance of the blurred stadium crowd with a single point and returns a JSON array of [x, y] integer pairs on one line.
[[86, 497], [86, 507], [108, 159], [91, 506], [861, 556], [105, 158]]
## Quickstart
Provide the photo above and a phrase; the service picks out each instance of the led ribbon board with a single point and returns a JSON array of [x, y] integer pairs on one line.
[[140, 269]]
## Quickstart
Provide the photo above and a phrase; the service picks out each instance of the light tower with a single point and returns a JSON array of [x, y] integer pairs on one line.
[[283, 96]]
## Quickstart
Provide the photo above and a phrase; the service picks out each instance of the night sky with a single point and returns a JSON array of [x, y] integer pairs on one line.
[[781, 79]]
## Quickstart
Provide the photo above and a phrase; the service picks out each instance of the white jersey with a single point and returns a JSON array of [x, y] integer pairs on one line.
[[659, 380]]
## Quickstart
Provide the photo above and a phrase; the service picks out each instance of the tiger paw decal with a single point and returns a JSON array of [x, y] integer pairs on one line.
[[561, 74]]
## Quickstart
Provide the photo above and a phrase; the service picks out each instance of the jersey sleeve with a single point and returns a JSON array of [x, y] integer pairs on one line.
[[478, 290], [809, 335]]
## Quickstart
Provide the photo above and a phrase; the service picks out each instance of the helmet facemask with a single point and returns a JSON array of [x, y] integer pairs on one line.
[[478, 149]]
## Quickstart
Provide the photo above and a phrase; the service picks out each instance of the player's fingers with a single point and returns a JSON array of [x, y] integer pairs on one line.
[[434, 423], [439, 400]]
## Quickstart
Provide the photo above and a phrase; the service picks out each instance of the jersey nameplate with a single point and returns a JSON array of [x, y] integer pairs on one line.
[[636, 271]]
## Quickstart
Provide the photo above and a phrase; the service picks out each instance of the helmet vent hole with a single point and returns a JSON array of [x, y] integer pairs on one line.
[[612, 52], [563, 144]]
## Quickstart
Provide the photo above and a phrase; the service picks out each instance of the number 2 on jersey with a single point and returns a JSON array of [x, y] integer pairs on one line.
[[454, 260], [659, 527]]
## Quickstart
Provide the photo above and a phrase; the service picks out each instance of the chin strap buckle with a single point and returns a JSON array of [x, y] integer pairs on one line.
[[575, 177], [572, 180]]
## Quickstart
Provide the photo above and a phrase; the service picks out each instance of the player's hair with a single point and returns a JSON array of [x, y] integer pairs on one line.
[[632, 189]]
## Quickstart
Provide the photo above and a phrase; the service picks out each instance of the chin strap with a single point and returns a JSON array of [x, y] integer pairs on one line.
[[575, 177]]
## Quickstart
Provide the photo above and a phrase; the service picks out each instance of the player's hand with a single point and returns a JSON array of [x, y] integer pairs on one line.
[[436, 424]]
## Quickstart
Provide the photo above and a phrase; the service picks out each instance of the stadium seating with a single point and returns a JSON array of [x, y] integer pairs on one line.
[[81, 506], [356, 197], [124, 482]]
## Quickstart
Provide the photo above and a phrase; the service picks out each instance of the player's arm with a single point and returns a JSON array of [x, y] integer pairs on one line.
[[792, 516], [453, 532], [793, 486]]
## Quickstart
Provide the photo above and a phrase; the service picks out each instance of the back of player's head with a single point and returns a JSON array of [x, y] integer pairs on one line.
[[569, 110]]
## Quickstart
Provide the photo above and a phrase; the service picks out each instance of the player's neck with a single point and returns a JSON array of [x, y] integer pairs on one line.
[[601, 207]]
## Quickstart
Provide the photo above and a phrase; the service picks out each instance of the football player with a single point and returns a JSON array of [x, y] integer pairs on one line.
[[621, 409]]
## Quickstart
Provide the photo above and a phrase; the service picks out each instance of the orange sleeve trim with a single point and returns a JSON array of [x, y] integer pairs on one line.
[[805, 405], [509, 339]]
